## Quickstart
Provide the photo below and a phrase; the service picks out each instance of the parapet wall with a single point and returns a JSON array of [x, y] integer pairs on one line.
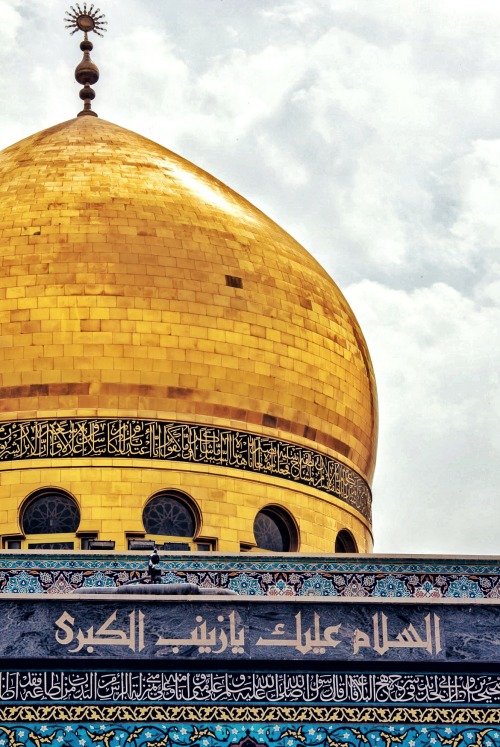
[[335, 651], [363, 576]]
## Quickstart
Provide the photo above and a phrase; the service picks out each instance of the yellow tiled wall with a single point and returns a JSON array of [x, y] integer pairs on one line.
[[111, 500]]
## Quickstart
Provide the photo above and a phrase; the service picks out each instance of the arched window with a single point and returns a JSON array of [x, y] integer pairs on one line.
[[171, 514], [345, 542], [275, 530], [50, 511]]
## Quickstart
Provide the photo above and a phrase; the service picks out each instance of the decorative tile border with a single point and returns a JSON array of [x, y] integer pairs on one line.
[[288, 734], [183, 442], [253, 562], [276, 576]]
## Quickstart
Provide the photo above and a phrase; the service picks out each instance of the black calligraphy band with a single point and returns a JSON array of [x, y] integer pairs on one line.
[[250, 688], [184, 442]]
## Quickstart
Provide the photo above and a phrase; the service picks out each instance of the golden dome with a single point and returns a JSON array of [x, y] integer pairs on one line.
[[135, 285]]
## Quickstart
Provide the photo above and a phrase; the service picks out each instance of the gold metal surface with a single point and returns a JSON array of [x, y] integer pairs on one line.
[[132, 283]]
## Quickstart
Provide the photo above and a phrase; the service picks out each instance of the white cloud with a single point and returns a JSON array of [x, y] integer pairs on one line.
[[476, 182], [437, 358], [11, 22]]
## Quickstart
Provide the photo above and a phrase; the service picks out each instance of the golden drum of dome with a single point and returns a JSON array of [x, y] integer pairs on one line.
[[135, 285]]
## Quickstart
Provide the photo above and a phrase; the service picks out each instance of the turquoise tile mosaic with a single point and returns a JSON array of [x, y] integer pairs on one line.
[[277, 575], [246, 735]]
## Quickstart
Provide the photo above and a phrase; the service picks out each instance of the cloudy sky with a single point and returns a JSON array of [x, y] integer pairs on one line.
[[368, 129]]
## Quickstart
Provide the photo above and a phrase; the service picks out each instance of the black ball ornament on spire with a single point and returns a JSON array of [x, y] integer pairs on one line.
[[86, 73]]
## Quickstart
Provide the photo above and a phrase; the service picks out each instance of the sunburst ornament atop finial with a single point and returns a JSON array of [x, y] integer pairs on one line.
[[87, 73], [86, 20]]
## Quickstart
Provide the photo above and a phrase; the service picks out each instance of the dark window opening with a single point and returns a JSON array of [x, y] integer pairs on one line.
[[234, 282], [51, 512], [274, 531], [86, 539], [97, 544], [13, 544], [345, 542], [141, 544], [169, 514], [175, 546], [206, 545]]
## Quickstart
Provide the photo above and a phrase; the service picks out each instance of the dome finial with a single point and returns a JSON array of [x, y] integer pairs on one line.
[[86, 73]]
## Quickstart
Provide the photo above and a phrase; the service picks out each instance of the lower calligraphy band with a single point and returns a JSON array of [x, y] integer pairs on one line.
[[263, 689]]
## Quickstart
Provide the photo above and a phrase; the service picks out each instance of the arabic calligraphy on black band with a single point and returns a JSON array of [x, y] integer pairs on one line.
[[248, 687], [183, 442]]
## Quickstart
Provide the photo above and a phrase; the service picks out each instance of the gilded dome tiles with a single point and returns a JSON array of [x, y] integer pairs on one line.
[[133, 284]]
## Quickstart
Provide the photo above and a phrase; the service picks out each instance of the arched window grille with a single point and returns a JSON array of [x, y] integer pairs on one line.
[[274, 530], [345, 542], [171, 514], [50, 511]]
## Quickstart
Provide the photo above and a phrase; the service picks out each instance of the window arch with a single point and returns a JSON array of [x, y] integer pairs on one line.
[[275, 530], [172, 514], [345, 542], [50, 511]]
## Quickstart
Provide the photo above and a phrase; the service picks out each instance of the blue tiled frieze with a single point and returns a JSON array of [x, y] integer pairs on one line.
[[234, 734], [254, 575]]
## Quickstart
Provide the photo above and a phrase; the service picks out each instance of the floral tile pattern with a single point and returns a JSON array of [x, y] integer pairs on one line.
[[280, 575], [244, 735]]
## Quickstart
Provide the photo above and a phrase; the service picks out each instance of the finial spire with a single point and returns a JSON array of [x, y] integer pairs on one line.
[[86, 73]]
